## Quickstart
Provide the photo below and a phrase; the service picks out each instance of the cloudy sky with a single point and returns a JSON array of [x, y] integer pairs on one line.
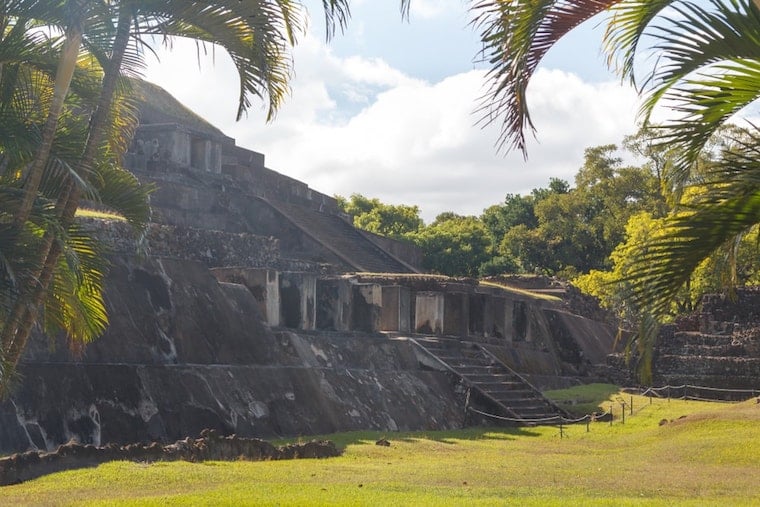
[[387, 109]]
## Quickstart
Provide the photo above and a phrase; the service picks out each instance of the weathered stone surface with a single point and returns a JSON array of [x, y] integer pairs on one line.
[[211, 247], [429, 308], [185, 352], [168, 312], [717, 347], [396, 310], [263, 284], [128, 403], [334, 304]]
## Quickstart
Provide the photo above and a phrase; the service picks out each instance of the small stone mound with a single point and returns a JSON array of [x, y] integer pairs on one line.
[[209, 447]]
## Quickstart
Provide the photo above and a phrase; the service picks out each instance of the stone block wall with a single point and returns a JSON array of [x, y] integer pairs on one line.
[[720, 309], [716, 348], [212, 248]]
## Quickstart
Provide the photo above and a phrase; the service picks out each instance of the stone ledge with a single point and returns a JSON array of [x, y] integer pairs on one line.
[[210, 446]]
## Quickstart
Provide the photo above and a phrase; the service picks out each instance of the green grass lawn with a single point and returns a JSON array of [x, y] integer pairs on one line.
[[709, 457]]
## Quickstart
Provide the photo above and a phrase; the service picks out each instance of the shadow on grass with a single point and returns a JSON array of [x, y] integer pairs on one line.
[[582, 400], [450, 437]]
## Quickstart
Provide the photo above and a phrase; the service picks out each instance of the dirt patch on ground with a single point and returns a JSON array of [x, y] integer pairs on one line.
[[209, 447]]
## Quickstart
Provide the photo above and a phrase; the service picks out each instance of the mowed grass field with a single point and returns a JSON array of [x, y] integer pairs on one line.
[[708, 455]]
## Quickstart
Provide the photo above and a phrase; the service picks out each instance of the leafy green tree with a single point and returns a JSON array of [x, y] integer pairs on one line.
[[556, 186], [575, 229], [392, 220], [516, 210], [454, 245], [499, 265], [736, 263]]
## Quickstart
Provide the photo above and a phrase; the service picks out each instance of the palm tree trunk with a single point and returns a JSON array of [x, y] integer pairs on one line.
[[15, 337], [63, 75]]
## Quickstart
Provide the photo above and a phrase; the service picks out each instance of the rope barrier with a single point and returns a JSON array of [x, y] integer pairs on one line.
[[697, 398], [704, 388], [558, 418], [656, 391], [649, 391]]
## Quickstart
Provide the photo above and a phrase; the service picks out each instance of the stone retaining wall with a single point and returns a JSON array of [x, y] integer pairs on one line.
[[212, 248], [209, 447]]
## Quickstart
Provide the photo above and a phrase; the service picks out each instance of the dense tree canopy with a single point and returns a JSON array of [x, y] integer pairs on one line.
[[454, 245], [554, 230]]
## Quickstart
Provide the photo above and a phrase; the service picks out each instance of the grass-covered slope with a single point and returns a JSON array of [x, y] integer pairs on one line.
[[156, 105], [709, 457]]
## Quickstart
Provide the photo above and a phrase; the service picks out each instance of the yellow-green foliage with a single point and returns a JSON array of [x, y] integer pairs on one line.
[[103, 215], [709, 457], [522, 292]]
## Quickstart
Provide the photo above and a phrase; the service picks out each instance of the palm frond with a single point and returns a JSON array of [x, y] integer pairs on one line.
[[516, 35], [120, 191], [728, 206], [337, 14], [625, 30], [255, 34], [710, 72], [75, 300]]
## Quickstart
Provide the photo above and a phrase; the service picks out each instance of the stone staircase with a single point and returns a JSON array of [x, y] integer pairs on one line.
[[512, 396], [342, 238]]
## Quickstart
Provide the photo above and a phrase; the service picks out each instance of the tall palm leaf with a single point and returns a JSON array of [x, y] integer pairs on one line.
[[516, 35], [75, 294], [706, 69], [727, 207]]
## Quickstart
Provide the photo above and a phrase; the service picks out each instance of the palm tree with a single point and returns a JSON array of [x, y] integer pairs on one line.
[[255, 33], [707, 71], [74, 273], [73, 303]]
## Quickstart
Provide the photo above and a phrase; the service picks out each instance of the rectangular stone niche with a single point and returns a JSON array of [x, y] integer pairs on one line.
[[298, 298], [456, 309], [396, 309], [428, 314], [334, 304], [366, 303], [479, 315], [498, 322]]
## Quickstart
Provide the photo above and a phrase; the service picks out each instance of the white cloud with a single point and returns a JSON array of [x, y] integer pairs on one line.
[[358, 125], [429, 9]]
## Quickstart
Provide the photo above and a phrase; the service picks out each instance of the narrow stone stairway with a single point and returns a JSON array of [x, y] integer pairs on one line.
[[492, 379], [342, 238]]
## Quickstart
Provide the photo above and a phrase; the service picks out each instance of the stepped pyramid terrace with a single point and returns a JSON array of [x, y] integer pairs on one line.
[[255, 307]]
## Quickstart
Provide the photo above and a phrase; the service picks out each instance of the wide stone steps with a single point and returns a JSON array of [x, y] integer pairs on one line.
[[342, 238], [696, 338], [513, 397], [737, 350]]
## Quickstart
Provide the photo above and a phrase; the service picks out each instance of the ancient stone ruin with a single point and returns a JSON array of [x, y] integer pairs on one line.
[[713, 353], [209, 447], [255, 308]]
